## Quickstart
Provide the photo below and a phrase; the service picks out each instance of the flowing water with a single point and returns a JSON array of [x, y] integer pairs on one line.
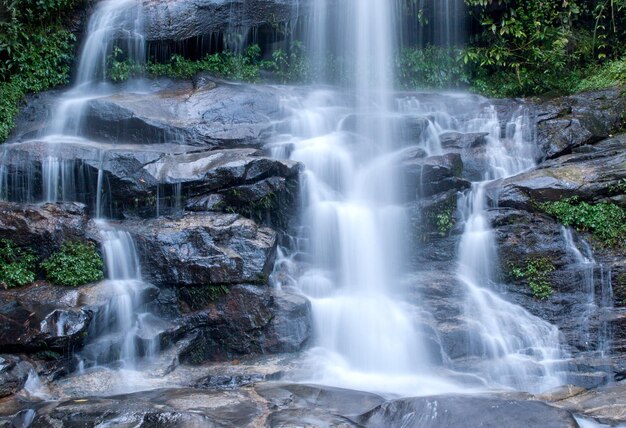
[[595, 332], [353, 224], [350, 252]]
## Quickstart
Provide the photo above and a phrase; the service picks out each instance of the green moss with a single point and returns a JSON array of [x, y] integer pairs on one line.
[[75, 264], [535, 272], [605, 221], [199, 297], [17, 265]]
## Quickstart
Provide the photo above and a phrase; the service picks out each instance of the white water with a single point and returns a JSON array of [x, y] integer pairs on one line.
[[354, 227], [113, 328], [353, 222], [595, 331], [516, 349], [114, 23]]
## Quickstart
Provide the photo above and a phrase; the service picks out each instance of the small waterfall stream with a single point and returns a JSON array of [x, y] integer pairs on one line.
[[121, 333], [595, 330]]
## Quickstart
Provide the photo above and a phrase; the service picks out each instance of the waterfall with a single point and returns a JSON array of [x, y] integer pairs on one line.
[[516, 349], [118, 331], [595, 333], [353, 223], [39, 169], [113, 24]]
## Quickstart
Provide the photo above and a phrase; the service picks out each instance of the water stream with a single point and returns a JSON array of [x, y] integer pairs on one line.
[[350, 252]]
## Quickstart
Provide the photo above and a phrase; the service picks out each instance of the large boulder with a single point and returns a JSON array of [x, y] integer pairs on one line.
[[244, 320], [203, 249], [216, 115]]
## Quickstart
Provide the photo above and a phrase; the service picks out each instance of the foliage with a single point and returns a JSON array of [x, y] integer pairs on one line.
[[17, 266], [445, 221], [610, 74], [35, 51], [606, 221], [289, 66], [286, 66], [432, 67], [526, 46], [76, 263], [10, 95], [536, 271]]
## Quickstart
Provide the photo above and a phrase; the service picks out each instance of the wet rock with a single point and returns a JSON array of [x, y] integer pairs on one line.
[[145, 179], [203, 249], [591, 176], [179, 20], [569, 122], [443, 294], [43, 317], [220, 116], [246, 320], [42, 228], [606, 404], [162, 407], [290, 329], [404, 129], [334, 401], [468, 411], [425, 177], [460, 140], [13, 374]]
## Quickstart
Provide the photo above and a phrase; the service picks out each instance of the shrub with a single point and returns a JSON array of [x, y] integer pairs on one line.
[[75, 264], [17, 265], [536, 272], [432, 68], [612, 73]]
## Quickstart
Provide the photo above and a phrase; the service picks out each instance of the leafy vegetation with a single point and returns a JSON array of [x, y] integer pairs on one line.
[[536, 47], [610, 74], [36, 51], [537, 272], [75, 264], [286, 66], [17, 265], [432, 67], [445, 221], [606, 221]]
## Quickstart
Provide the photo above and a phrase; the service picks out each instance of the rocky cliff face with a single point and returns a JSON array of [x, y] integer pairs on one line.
[[188, 175]]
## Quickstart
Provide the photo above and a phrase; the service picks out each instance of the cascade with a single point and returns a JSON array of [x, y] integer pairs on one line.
[[41, 169], [350, 252], [353, 225], [518, 349], [121, 332], [595, 332]]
